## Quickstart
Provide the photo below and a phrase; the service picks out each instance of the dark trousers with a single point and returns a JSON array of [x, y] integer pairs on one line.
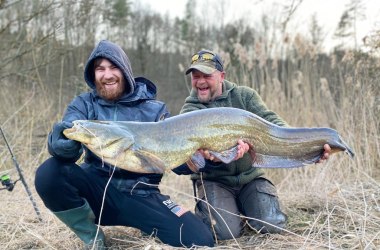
[[62, 186], [225, 204]]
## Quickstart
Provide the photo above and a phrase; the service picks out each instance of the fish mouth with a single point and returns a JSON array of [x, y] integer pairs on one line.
[[67, 132], [77, 126]]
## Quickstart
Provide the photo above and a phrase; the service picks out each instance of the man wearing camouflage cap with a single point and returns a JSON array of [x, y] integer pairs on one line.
[[235, 188]]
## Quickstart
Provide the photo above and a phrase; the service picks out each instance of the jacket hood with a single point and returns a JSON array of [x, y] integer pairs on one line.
[[144, 90], [117, 56]]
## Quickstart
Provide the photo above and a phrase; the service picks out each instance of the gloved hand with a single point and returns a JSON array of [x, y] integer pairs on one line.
[[60, 146]]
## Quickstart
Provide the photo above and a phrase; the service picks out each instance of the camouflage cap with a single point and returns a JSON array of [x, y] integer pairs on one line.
[[205, 61]]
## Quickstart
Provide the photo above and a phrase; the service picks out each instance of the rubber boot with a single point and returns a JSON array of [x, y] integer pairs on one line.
[[260, 201], [81, 221]]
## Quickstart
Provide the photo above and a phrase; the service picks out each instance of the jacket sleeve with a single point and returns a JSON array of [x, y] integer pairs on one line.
[[58, 145], [163, 113], [77, 110], [182, 170], [185, 170], [61, 147]]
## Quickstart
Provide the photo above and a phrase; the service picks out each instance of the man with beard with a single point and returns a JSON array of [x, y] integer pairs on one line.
[[98, 193], [235, 188]]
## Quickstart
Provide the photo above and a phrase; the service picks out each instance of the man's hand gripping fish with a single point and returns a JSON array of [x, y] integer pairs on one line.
[[156, 147]]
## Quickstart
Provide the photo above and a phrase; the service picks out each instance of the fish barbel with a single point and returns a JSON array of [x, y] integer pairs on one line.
[[156, 147]]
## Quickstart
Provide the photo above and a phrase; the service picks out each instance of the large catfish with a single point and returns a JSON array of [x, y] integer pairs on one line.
[[156, 147]]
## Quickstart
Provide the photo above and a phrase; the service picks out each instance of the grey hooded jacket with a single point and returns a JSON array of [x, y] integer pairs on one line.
[[137, 104]]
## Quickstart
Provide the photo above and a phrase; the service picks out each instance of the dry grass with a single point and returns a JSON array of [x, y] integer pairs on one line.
[[335, 205]]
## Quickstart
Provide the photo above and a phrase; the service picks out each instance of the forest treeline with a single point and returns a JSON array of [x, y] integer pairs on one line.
[[47, 43], [44, 47]]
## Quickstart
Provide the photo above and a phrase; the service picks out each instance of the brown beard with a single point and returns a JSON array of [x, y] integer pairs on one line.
[[110, 95]]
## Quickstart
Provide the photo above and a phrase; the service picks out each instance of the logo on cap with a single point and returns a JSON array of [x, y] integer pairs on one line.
[[205, 61]]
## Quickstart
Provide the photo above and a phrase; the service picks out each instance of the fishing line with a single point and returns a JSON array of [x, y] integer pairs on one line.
[[105, 188], [103, 200], [196, 198], [243, 217], [282, 229], [209, 211], [209, 206], [148, 184], [99, 141], [201, 200]]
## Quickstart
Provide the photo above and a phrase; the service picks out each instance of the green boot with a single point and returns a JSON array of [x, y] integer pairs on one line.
[[81, 221]]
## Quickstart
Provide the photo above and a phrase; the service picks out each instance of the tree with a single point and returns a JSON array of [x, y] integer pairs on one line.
[[316, 32], [347, 29], [188, 28], [118, 13]]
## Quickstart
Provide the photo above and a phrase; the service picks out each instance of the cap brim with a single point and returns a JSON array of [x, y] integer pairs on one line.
[[202, 68]]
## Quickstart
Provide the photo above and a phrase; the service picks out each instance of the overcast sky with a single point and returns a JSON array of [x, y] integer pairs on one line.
[[328, 12]]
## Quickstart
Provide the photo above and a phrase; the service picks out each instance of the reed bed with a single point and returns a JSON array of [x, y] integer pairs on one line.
[[334, 205]]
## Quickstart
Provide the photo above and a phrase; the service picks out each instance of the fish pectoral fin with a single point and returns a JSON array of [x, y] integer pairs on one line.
[[116, 147], [226, 156], [150, 162], [197, 162]]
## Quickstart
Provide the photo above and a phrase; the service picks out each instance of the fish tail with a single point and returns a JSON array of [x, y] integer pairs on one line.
[[347, 149], [350, 152]]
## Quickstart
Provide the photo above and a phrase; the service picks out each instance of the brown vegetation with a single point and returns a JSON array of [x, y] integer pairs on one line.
[[335, 205]]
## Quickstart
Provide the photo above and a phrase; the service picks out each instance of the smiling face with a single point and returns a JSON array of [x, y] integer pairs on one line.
[[109, 80], [207, 86]]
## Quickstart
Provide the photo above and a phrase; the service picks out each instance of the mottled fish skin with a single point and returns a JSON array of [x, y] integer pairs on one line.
[[156, 147]]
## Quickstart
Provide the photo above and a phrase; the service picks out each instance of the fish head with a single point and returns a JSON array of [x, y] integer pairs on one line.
[[88, 132], [103, 138]]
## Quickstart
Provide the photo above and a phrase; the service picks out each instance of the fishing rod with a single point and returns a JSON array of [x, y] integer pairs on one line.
[[9, 185]]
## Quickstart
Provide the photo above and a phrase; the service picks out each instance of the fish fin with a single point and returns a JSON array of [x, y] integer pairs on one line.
[[252, 153], [150, 162], [226, 156], [229, 155], [271, 161], [196, 162]]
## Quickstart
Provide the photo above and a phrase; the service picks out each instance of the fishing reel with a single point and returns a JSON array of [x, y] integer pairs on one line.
[[7, 182]]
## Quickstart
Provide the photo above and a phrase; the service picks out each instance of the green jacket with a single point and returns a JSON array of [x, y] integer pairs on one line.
[[238, 172]]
